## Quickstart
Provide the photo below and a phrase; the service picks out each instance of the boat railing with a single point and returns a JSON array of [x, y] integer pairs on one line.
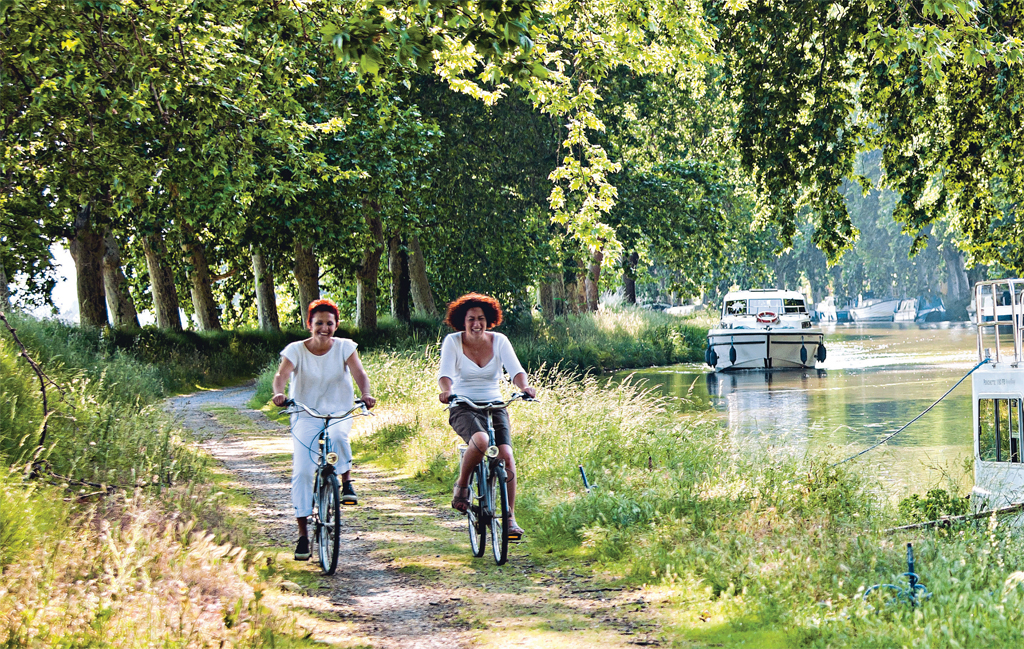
[[1000, 307]]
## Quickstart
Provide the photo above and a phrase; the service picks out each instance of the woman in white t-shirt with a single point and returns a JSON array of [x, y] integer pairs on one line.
[[322, 369], [472, 359]]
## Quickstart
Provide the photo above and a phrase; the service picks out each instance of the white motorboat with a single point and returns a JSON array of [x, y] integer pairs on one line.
[[874, 310], [998, 391], [906, 311], [764, 328], [825, 311], [995, 305]]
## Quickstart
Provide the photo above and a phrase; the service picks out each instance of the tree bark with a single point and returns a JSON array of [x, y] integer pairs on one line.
[[546, 294], [307, 276], [207, 313], [266, 299], [398, 265], [629, 264], [422, 297], [366, 277], [87, 249], [161, 282], [593, 285], [5, 293], [115, 286]]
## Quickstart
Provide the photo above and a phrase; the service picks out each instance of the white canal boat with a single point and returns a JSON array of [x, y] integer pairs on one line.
[[998, 396], [764, 329]]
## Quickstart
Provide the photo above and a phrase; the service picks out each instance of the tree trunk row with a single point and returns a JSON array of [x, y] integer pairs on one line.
[[104, 296]]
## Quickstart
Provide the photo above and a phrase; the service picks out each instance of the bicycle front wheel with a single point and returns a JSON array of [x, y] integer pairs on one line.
[[328, 530], [500, 519], [476, 513]]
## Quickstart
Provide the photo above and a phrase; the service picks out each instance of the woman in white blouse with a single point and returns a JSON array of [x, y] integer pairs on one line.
[[471, 366], [320, 372]]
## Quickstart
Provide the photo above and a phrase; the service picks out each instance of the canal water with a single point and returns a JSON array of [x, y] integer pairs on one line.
[[875, 379]]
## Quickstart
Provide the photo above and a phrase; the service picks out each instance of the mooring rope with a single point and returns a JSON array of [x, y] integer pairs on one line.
[[907, 425]]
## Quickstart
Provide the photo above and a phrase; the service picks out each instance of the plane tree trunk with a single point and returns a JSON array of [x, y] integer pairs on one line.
[[115, 286], [266, 299], [398, 266], [5, 294], [307, 277], [422, 297], [629, 264], [207, 313], [366, 277], [161, 282], [87, 249], [593, 283]]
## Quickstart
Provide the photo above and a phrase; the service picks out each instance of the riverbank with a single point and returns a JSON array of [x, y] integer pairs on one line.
[[752, 548]]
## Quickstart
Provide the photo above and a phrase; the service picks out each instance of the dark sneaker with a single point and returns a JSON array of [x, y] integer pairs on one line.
[[348, 494], [302, 549]]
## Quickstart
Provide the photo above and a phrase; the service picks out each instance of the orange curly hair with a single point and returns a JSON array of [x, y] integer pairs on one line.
[[455, 317], [324, 305]]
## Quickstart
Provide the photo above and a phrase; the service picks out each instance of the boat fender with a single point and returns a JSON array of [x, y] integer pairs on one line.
[[821, 353], [803, 353], [714, 358], [707, 355], [732, 354]]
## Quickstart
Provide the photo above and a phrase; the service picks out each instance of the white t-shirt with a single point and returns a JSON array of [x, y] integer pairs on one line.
[[321, 382], [469, 379]]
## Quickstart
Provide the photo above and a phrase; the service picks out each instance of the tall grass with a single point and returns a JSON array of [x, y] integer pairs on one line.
[[609, 340], [109, 533], [769, 540]]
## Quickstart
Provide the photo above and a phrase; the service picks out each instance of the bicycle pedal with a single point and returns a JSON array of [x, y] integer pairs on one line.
[[349, 501]]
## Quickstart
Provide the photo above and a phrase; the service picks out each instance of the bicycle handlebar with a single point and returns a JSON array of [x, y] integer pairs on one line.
[[359, 405], [488, 405]]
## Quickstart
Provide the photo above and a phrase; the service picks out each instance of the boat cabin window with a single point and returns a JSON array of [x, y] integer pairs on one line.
[[736, 307], [795, 305], [760, 305], [999, 430]]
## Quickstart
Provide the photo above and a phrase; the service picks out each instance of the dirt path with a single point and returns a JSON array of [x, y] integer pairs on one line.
[[404, 578]]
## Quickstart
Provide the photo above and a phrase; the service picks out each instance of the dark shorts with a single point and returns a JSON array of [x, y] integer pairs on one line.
[[467, 421]]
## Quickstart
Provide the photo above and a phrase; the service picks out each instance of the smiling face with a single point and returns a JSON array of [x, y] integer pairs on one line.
[[323, 325], [476, 321]]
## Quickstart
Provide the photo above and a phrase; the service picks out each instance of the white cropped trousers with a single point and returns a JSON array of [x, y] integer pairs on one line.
[[306, 451]]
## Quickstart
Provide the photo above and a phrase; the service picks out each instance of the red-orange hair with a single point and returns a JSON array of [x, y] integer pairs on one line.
[[455, 317], [325, 305]]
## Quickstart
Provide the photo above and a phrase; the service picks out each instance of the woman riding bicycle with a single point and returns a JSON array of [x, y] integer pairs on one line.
[[322, 369], [471, 362]]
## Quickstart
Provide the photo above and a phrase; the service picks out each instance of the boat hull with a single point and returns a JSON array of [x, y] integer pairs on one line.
[[765, 348]]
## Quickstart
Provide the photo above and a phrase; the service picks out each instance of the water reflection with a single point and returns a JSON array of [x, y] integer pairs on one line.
[[876, 378]]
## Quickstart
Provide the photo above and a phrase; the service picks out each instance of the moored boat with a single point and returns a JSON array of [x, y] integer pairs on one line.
[[764, 328], [875, 310], [998, 396], [906, 311]]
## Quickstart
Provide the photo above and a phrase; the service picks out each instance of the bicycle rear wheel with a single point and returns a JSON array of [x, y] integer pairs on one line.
[[328, 529], [500, 520], [475, 514]]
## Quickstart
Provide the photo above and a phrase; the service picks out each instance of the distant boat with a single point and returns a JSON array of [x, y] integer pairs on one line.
[[874, 310], [825, 311], [906, 311], [1001, 312], [931, 311]]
